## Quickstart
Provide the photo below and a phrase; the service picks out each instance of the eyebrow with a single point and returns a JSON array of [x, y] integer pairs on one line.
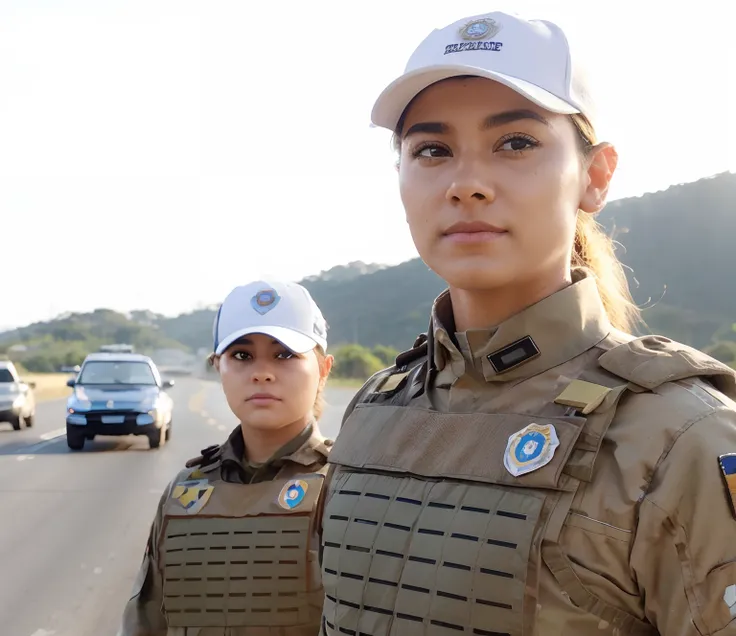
[[492, 121]]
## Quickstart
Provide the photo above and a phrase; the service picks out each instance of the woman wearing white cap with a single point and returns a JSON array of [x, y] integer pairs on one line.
[[233, 546], [528, 467]]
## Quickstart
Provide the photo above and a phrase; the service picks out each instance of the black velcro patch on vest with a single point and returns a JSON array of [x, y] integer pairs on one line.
[[511, 356]]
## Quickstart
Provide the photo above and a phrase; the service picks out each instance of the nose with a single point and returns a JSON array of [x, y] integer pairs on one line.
[[262, 374], [467, 188]]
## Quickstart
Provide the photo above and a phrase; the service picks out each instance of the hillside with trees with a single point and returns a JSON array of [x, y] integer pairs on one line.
[[677, 245]]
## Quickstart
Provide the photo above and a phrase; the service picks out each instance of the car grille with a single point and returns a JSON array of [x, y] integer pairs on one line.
[[95, 417]]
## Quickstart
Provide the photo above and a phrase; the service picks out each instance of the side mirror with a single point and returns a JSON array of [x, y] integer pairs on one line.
[[167, 384], [71, 382]]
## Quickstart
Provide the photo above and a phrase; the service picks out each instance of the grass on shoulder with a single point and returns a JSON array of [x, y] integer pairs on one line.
[[49, 386], [345, 383]]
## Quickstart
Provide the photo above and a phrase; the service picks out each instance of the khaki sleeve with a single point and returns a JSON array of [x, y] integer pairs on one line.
[[143, 614], [684, 552]]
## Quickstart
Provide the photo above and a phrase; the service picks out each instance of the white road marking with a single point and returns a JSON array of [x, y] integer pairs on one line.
[[211, 421], [97, 570], [221, 428], [204, 413], [22, 458], [42, 632], [53, 434]]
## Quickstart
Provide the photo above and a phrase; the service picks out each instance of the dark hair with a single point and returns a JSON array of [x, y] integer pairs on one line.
[[593, 248]]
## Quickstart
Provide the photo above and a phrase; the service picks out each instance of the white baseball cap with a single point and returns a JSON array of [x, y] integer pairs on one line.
[[532, 57], [283, 310]]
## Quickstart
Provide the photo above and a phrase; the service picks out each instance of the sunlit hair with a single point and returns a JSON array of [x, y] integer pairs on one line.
[[319, 400], [593, 248]]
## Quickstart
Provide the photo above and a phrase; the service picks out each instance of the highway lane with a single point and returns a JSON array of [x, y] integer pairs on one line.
[[73, 524]]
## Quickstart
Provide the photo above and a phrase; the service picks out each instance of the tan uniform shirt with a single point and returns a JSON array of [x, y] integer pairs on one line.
[[628, 528], [225, 468]]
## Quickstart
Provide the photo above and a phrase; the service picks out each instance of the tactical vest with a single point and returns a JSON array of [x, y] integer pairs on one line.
[[427, 532], [242, 559]]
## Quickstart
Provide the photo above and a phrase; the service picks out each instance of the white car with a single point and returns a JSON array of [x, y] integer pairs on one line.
[[17, 401]]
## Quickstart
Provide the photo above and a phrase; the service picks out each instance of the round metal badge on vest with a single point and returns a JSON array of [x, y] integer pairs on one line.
[[530, 449], [292, 494]]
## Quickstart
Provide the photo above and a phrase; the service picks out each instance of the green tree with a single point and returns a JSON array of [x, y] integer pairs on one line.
[[387, 355], [355, 362], [724, 351]]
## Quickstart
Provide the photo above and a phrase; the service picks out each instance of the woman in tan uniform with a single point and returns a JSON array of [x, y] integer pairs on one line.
[[528, 468], [233, 548]]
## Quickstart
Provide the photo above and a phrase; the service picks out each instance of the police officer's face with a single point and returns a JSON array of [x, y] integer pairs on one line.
[[266, 385], [492, 184]]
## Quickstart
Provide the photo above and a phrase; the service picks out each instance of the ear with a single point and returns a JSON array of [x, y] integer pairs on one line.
[[326, 367], [601, 161], [216, 363]]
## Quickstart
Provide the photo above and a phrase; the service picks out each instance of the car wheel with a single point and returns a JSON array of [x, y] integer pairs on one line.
[[74, 442], [154, 439]]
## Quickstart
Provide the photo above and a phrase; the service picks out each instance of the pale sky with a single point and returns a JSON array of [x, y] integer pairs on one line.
[[156, 153]]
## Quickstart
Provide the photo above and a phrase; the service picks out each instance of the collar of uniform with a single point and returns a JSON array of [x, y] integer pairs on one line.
[[562, 326], [444, 351], [307, 448]]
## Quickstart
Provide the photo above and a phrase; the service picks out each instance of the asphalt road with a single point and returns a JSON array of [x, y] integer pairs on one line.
[[73, 524]]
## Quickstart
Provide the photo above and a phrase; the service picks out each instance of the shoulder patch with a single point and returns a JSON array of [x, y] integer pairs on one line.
[[728, 470], [650, 361]]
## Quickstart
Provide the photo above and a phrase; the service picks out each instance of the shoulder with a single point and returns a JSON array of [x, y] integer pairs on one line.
[[651, 361], [680, 405], [682, 381]]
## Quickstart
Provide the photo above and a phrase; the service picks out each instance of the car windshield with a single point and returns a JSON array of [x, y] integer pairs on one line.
[[6, 376], [116, 372]]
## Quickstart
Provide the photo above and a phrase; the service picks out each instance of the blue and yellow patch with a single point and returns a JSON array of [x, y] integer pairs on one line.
[[728, 470], [192, 495]]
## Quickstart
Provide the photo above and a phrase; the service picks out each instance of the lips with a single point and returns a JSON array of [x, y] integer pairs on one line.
[[473, 227], [262, 397]]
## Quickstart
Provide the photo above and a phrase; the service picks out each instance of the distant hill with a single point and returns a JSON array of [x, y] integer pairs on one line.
[[48, 346], [679, 246]]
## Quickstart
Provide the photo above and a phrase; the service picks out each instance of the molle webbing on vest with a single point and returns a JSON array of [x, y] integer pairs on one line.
[[227, 572], [426, 532], [405, 556]]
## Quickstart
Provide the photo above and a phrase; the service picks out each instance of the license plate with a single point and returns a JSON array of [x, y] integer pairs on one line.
[[113, 419]]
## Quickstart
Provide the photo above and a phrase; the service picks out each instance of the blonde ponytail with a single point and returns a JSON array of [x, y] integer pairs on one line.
[[595, 250]]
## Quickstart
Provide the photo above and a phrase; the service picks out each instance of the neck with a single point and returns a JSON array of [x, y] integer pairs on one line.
[[482, 309], [262, 444]]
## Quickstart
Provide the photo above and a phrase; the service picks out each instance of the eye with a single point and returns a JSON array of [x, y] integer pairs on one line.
[[516, 143], [430, 150], [242, 355], [285, 355]]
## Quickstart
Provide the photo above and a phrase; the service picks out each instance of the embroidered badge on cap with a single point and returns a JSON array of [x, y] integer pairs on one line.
[[265, 300], [480, 29], [530, 448], [192, 494], [728, 470], [292, 493]]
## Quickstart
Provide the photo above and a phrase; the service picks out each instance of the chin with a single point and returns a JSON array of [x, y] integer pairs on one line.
[[474, 273]]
